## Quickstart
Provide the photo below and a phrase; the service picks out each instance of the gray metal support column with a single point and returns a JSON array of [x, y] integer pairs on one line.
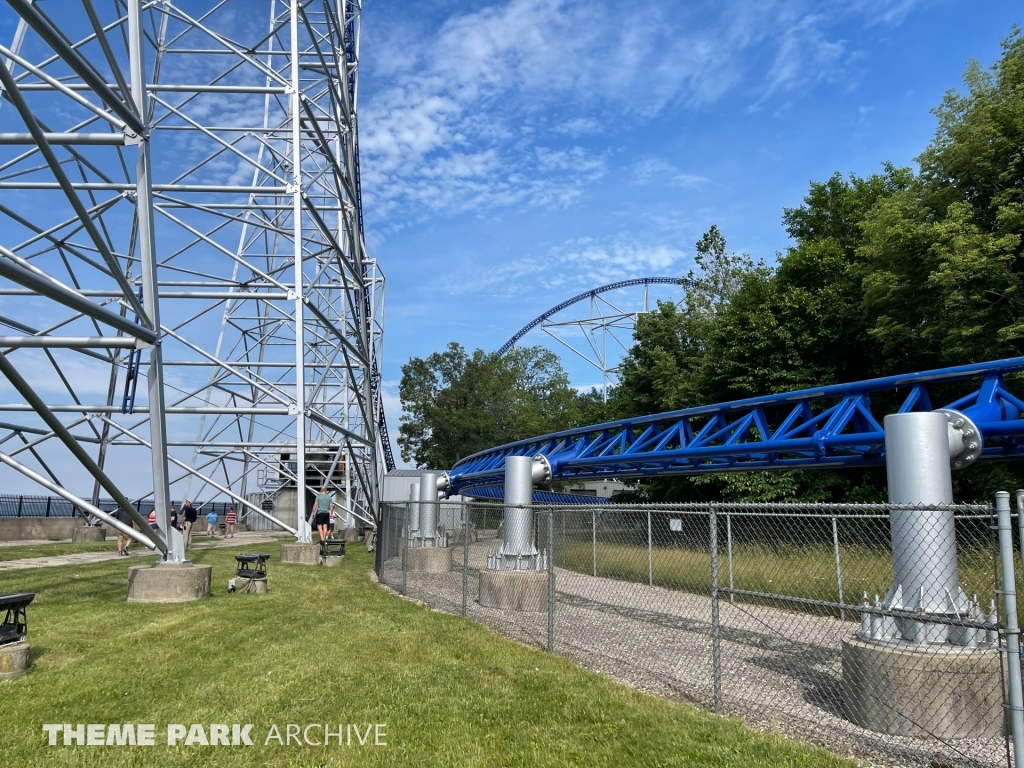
[[305, 533], [517, 550], [150, 292], [917, 461], [429, 508]]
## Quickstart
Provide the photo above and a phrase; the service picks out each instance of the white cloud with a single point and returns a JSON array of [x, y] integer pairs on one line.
[[580, 126], [579, 265], [655, 169], [456, 126]]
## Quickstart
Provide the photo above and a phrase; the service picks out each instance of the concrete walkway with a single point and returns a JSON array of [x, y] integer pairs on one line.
[[246, 539]]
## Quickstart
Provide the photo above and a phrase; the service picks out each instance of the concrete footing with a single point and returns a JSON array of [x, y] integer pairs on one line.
[[169, 583], [13, 659], [947, 691], [514, 590], [252, 586], [351, 534], [429, 559], [89, 533], [334, 561], [303, 554]]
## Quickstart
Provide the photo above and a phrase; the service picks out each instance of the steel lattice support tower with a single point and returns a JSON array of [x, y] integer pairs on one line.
[[179, 191]]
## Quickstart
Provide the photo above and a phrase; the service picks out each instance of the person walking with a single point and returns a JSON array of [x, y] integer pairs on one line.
[[152, 520], [123, 539], [174, 517], [211, 521], [189, 513], [324, 507], [229, 523]]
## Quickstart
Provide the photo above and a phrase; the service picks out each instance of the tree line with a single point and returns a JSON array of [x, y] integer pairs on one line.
[[894, 272]]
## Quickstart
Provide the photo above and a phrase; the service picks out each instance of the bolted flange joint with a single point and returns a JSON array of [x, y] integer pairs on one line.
[[965, 439]]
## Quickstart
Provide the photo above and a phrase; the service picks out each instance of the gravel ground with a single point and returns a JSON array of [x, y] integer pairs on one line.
[[780, 669]]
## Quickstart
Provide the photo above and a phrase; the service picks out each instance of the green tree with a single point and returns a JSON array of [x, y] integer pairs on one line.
[[891, 273], [456, 403]]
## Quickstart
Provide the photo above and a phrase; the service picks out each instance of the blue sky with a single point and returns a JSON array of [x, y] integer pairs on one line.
[[517, 153]]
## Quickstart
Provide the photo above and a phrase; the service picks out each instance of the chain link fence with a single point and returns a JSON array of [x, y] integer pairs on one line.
[[784, 615], [55, 506]]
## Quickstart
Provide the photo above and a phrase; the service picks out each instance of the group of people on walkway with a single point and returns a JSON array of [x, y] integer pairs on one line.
[[183, 523]]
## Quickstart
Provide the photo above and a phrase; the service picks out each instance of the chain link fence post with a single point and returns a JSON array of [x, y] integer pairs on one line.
[[405, 551], [593, 525], [650, 552], [716, 629], [465, 558], [839, 567], [728, 534], [551, 579], [1010, 628]]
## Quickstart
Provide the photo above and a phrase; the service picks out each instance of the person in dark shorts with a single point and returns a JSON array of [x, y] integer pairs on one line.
[[174, 517], [324, 507]]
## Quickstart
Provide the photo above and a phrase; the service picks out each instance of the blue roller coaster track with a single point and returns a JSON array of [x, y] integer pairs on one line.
[[823, 427], [583, 297]]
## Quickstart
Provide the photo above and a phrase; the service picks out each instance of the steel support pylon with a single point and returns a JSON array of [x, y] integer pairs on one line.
[[180, 192]]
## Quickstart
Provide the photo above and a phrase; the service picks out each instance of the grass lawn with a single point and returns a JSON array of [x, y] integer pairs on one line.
[[329, 646], [51, 549], [806, 571]]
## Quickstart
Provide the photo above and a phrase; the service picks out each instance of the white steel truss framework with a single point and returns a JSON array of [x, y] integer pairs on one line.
[[183, 276]]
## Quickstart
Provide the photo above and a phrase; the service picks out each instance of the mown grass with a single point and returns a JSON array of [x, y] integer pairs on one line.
[[52, 549], [328, 645], [796, 571]]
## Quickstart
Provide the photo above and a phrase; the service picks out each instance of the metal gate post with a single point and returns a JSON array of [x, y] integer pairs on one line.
[[593, 525], [716, 629], [1010, 628]]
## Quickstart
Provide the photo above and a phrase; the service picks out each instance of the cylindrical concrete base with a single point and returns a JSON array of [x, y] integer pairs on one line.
[[429, 559], [949, 692], [89, 533], [514, 590], [334, 561], [351, 534], [169, 583], [304, 554], [252, 586], [13, 660]]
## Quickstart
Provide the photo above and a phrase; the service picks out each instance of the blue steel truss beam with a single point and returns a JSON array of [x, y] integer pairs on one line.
[[825, 427]]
